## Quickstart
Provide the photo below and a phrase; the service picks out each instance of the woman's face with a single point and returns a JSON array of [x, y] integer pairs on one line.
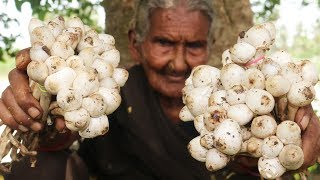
[[176, 42]]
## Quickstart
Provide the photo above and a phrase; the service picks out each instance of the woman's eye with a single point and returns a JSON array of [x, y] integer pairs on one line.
[[165, 42]]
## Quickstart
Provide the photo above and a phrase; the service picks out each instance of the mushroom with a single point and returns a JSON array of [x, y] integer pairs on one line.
[[88, 55], [77, 120], [255, 79], [292, 72], [55, 64], [185, 114], [205, 75], [281, 57], [112, 56], [198, 123], [231, 75], [61, 49], [76, 63], [289, 132], [75, 22], [277, 85], [263, 126], [216, 160], [197, 99], [111, 98], [61, 79], [270, 168], [236, 95], [213, 117], [39, 52], [226, 57], [291, 157], [97, 126], [103, 68], [240, 113], [86, 82], [206, 140], [259, 37], [260, 101], [271, 147], [269, 68], [110, 83], [218, 98], [227, 137], [301, 93], [69, 99], [33, 23], [120, 76], [42, 34], [197, 151], [94, 104], [37, 71], [309, 71], [254, 146], [242, 52]]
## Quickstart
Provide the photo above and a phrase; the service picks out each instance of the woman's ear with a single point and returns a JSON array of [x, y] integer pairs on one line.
[[133, 47]]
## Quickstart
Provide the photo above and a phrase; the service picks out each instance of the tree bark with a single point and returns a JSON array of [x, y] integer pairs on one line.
[[231, 17]]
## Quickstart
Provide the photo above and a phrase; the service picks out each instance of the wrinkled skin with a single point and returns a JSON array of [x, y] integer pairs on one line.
[[175, 44]]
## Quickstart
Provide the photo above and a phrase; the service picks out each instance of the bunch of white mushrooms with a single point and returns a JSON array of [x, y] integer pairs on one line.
[[248, 107], [79, 66]]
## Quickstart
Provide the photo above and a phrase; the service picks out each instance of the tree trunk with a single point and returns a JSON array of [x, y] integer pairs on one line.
[[231, 17]]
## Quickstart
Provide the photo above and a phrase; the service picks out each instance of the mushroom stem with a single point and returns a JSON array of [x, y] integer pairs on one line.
[[292, 110], [282, 108]]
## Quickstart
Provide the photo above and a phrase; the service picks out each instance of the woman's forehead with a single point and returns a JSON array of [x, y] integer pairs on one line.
[[179, 20]]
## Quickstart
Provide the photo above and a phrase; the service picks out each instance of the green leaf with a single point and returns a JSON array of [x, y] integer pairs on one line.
[[19, 4]]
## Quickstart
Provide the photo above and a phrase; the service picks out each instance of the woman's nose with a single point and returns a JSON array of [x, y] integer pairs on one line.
[[179, 61]]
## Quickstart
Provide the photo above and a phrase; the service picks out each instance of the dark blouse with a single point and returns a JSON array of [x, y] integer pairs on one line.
[[142, 143]]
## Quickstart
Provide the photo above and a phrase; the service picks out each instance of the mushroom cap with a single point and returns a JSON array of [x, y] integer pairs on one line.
[[291, 157], [260, 101], [227, 137], [197, 99], [255, 79], [98, 126], [242, 52], [289, 132], [216, 160], [277, 85], [263, 126], [240, 113], [271, 147], [254, 146], [236, 95], [197, 151], [301, 93], [270, 168], [232, 74], [205, 75]]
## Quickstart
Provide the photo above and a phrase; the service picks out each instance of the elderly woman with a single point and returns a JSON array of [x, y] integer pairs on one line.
[[146, 139]]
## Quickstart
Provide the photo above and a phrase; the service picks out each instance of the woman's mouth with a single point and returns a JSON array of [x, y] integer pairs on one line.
[[175, 78]]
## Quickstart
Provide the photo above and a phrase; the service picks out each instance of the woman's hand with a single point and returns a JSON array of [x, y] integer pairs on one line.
[[18, 108], [310, 125]]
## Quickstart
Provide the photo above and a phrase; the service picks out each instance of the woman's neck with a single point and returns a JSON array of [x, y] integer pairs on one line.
[[171, 107]]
